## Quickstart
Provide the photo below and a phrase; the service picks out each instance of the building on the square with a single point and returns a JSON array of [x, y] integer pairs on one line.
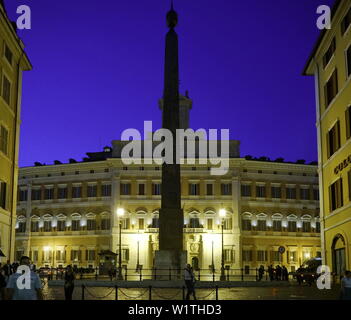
[[13, 61], [66, 213], [330, 64]]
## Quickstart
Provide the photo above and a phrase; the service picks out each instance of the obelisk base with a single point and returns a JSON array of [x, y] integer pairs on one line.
[[169, 264]]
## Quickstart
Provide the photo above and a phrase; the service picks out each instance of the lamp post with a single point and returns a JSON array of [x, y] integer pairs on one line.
[[222, 214], [212, 260], [120, 213]]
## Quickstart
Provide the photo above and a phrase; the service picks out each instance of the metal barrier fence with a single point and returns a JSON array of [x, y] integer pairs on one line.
[[243, 274], [150, 293]]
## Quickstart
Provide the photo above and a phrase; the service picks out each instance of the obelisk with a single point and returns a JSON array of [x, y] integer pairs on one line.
[[171, 218]]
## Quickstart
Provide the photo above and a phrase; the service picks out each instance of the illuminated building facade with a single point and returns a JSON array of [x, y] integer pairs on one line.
[[330, 64], [13, 61]]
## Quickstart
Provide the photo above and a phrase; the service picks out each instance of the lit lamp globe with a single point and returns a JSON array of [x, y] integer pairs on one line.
[[120, 212], [222, 213]]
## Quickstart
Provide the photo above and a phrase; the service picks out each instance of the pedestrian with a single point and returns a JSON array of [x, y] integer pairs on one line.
[[69, 282], [2, 283], [299, 276], [260, 273], [278, 271], [7, 269], [271, 273], [34, 292], [285, 274], [189, 278], [346, 286]]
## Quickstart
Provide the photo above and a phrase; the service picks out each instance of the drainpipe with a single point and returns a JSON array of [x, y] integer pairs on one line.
[[320, 147]]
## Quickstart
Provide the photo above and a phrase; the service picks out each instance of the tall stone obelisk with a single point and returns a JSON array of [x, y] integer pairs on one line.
[[171, 217]]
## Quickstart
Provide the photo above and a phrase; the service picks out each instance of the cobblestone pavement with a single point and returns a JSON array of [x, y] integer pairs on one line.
[[294, 292]]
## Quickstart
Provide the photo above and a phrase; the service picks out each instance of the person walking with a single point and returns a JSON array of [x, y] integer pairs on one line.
[[260, 273], [278, 271], [189, 279], [34, 292], [2, 283], [7, 270], [69, 283], [346, 286], [271, 273], [285, 274]]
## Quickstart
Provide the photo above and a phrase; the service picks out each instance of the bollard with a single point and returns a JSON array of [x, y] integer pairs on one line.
[[150, 295], [242, 274], [83, 288], [183, 293], [213, 277], [216, 292], [116, 293], [141, 274], [126, 274]]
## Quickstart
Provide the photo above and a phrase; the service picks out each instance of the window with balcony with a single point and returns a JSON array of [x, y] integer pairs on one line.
[[277, 225], [291, 256], [75, 225], [246, 225], [228, 255], [34, 226], [47, 226], [331, 88], [228, 225], [105, 224], [333, 139], [21, 227], [61, 225], [141, 224], [155, 222], [194, 222], [76, 255], [292, 226], [91, 224], [336, 195], [276, 256], [306, 226], [209, 224], [261, 225]]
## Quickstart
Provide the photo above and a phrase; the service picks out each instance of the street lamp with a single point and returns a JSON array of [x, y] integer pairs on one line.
[[120, 213], [138, 267], [222, 214]]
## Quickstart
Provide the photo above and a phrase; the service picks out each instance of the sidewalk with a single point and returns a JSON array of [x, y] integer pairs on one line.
[[174, 284]]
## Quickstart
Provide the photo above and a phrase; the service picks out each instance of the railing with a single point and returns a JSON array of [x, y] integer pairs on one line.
[[133, 274]]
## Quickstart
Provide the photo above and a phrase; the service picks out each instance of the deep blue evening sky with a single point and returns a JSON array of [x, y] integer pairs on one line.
[[98, 69]]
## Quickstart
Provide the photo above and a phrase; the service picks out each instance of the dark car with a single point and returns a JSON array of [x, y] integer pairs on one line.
[[308, 271]]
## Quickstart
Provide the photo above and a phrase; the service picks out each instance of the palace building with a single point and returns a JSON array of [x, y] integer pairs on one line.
[[330, 64], [13, 61], [67, 213]]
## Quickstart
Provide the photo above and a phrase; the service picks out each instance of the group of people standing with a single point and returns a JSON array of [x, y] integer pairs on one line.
[[278, 273]]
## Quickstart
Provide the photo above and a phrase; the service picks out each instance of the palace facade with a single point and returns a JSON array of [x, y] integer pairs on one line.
[[67, 213]]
